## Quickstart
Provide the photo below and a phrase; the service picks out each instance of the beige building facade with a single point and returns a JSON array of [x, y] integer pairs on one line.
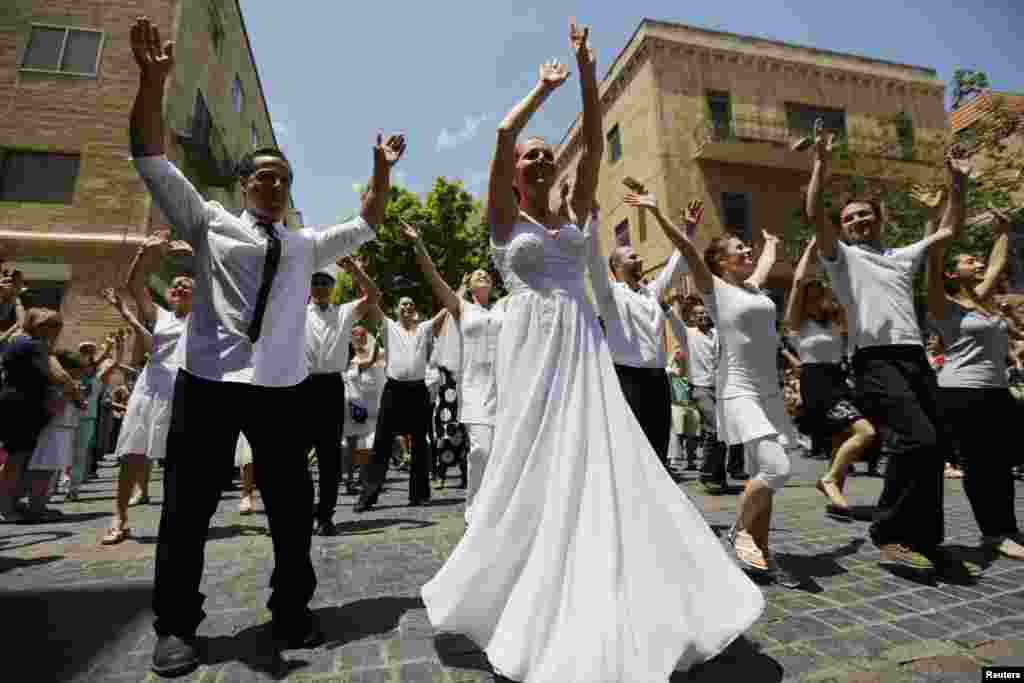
[[698, 114], [72, 208]]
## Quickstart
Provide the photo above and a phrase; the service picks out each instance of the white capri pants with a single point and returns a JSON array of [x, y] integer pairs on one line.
[[767, 461]]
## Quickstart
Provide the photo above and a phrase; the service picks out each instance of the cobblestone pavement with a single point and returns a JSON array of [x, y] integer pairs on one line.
[[81, 611]]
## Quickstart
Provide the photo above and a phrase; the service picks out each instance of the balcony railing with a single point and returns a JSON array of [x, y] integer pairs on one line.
[[777, 133]]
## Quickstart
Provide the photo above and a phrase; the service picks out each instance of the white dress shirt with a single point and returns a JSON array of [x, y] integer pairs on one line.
[[229, 255], [328, 333], [634, 321], [703, 351], [408, 351]]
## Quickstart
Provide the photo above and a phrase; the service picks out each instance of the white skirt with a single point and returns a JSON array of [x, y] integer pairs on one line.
[[146, 424], [243, 451], [744, 418]]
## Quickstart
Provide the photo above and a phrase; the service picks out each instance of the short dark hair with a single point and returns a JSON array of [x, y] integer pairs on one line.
[[689, 303], [873, 203], [715, 250], [247, 164]]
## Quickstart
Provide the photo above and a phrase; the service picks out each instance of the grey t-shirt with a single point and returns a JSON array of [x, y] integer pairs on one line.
[[976, 348], [877, 290]]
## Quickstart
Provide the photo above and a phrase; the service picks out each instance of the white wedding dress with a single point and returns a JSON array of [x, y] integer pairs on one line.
[[584, 562]]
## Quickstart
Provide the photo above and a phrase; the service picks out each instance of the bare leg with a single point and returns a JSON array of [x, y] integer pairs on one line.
[[248, 486], [850, 446], [132, 468]]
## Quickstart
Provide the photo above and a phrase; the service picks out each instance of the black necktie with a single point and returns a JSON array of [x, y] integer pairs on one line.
[[269, 270]]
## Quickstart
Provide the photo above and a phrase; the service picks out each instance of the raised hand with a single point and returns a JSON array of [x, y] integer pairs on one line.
[[957, 164], [694, 212], [389, 151], [346, 263], [112, 297], [641, 201], [579, 38], [410, 233], [770, 238], [927, 196], [158, 243], [155, 60], [1000, 219], [180, 248], [553, 74]]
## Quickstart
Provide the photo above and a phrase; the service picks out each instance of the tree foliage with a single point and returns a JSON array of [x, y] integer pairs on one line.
[[966, 84], [452, 225]]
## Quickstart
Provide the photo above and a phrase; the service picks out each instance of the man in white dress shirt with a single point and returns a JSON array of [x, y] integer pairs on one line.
[[241, 373], [634, 323], [405, 403], [328, 334]]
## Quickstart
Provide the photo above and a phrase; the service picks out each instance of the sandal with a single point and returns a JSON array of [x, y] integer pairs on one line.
[[115, 535], [747, 552], [831, 491]]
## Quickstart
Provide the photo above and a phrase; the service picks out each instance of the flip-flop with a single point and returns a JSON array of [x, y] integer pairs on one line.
[[115, 536], [747, 556]]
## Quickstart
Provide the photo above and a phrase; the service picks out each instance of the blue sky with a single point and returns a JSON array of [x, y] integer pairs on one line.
[[445, 72]]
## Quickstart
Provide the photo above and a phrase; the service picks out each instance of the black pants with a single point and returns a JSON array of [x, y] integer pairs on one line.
[[206, 419], [898, 392], [649, 395], [324, 397], [404, 409], [981, 420]]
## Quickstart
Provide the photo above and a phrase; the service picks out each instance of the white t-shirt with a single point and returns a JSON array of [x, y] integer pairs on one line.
[[877, 290], [745, 320], [817, 343], [328, 333], [479, 392], [407, 351], [703, 352]]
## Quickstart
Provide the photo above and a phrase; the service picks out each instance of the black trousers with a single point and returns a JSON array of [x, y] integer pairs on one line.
[[404, 409], [206, 419], [898, 393], [324, 397], [649, 395], [981, 420]]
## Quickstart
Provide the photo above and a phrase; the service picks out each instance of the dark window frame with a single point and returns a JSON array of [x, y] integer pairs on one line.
[[66, 197], [721, 129], [744, 230], [237, 87], [800, 119], [63, 51], [613, 139]]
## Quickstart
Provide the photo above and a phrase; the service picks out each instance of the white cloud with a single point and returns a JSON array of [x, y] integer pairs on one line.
[[447, 139]]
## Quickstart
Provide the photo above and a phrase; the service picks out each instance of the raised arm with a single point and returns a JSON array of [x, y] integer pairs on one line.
[[119, 305], [371, 292], [702, 276], [765, 262], [597, 265], [824, 228], [502, 207], [438, 321], [173, 193], [146, 261], [803, 274], [585, 187], [442, 291], [998, 259], [386, 154]]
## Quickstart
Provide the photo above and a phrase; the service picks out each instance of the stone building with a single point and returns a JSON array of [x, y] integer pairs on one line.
[[963, 121], [697, 114], [72, 207]]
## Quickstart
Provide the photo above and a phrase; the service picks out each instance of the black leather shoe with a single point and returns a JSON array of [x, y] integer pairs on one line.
[[739, 475], [326, 528], [174, 656], [306, 639], [361, 506]]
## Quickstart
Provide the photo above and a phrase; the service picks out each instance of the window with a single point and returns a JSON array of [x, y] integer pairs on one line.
[[622, 234], [237, 95], [38, 177], [254, 136], [800, 120], [720, 115], [614, 144], [736, 214], [63, 50]]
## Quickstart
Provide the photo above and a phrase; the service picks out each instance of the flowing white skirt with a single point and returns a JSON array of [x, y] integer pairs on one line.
[[147, 421], [584, 562]]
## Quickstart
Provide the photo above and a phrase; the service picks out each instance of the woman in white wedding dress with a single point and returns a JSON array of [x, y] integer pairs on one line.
[[584, 562]]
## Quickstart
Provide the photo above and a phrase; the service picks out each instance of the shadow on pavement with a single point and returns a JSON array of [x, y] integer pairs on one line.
[[456, 651], [371, 526], [9, 563], [809, 567], [54, 640], [741, 661], [43, 535], [363, 618], [219, 533]]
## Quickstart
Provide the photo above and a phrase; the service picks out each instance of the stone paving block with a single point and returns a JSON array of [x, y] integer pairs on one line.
[[360, 655], [994, 609], [890, 605], [420, 672], [837, 617], [868, 613], [410, 650], [921, 649], [1008, 628], [853, 643], [893, 635], [916, 602], [920, 626], [798, 628], [969, 615], [371, 676]]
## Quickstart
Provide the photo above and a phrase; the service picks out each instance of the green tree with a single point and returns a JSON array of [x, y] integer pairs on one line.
[[966, 84], [453, 228]]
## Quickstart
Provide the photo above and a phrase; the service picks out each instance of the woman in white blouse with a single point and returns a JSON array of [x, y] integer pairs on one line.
[[364, 382]]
